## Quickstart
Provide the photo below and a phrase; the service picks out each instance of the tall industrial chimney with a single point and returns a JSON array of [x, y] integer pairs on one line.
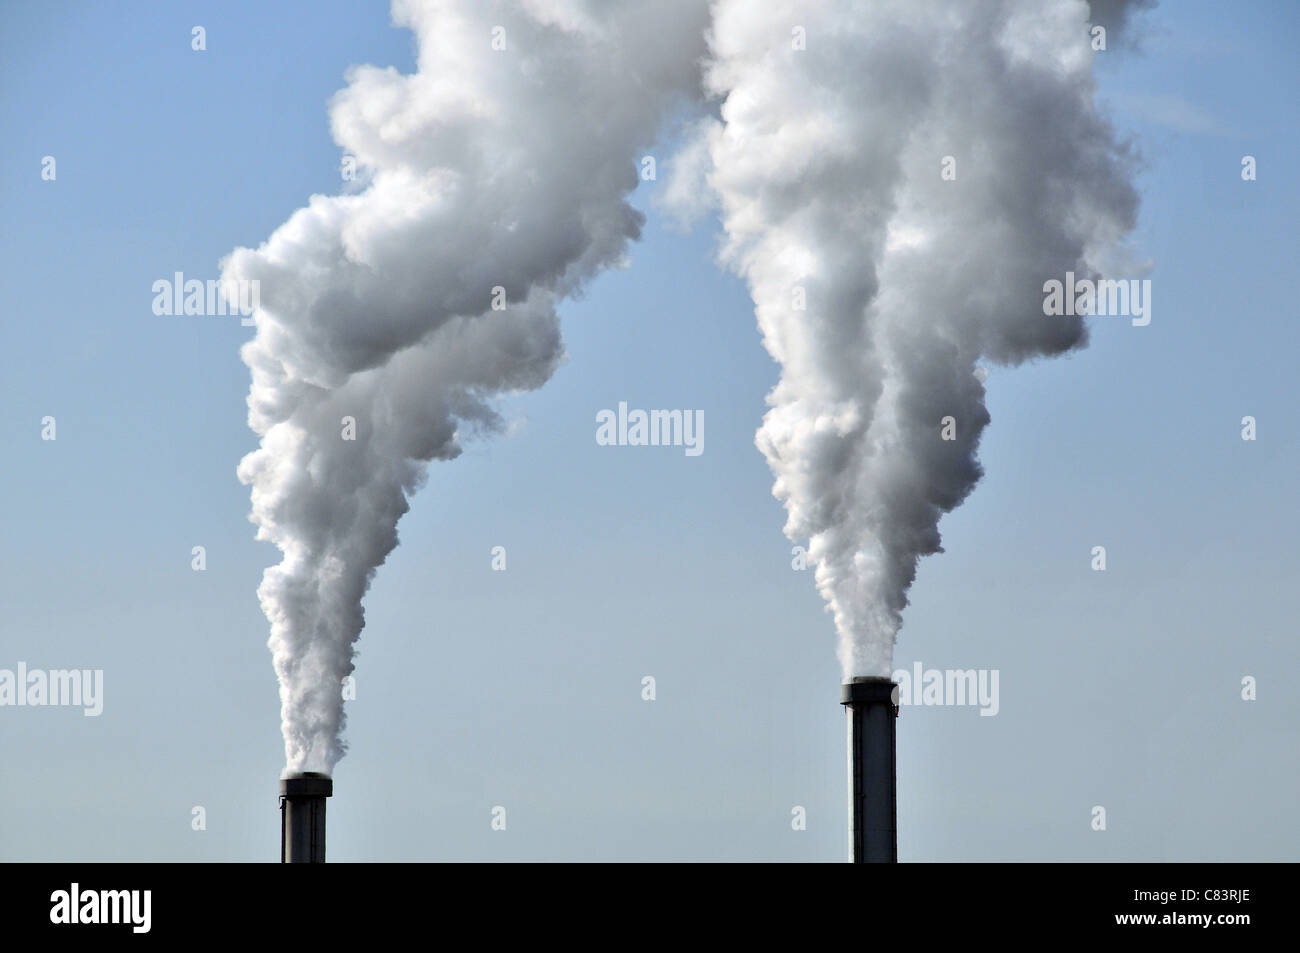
[[302, 817], [872, 709]]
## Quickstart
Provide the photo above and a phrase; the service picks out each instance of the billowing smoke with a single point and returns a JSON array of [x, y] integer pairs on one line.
[[897, 180], [498, 172]]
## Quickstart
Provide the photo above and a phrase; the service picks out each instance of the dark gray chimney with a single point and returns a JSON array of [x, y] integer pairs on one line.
[[872, 708], [302, 817]]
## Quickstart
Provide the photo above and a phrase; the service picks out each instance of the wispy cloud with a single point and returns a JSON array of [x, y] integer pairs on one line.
[[1171, 112]]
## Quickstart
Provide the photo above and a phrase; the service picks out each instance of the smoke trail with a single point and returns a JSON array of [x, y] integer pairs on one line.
[[827, 165], [503, 162]]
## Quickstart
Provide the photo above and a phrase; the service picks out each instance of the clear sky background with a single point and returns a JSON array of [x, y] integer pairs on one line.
[[523, 688]]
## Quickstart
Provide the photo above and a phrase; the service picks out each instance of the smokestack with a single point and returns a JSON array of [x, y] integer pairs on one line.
[[302, 817], [872, 704]]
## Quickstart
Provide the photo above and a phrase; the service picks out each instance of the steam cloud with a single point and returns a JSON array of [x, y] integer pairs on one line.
[[826, 165], [511, 168], [484, 168]]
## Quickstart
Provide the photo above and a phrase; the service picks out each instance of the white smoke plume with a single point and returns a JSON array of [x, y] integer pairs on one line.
[[827, 166], [504, 161]]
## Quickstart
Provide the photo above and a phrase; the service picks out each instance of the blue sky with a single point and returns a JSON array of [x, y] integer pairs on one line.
[[523, 688]]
